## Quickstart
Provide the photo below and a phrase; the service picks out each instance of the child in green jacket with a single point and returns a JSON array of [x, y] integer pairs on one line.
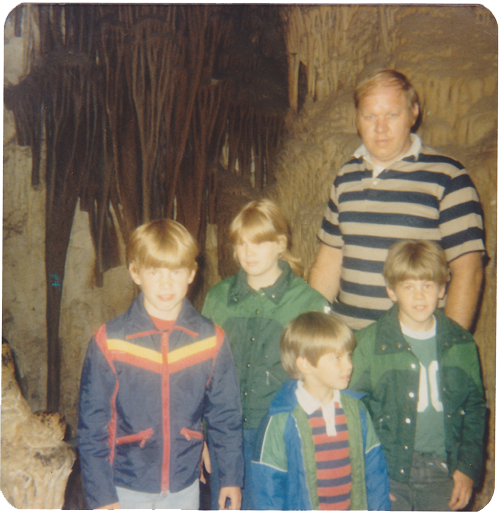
[[421, 373], [253, 307]]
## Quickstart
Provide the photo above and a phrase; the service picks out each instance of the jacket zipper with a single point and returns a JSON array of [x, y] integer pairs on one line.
[[165, 477]]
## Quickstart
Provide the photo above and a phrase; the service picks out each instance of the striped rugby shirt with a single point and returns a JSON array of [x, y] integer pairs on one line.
[[331, 443], [423, 196], [332, 461]]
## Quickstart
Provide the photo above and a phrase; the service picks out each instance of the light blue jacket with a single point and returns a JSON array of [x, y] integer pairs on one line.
[[284, 473]]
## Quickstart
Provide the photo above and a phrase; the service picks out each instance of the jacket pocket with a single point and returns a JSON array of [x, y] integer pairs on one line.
[[191, 434], [142, 436]]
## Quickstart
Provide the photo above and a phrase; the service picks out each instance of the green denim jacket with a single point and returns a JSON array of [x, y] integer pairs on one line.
[[387, 370]]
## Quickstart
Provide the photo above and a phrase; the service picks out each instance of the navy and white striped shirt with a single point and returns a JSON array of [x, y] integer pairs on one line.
[[424, 196]]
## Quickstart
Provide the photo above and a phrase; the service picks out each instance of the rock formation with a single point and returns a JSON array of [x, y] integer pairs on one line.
[[36, 462]]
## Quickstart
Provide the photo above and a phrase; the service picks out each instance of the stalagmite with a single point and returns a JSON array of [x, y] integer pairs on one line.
[[36, 462]]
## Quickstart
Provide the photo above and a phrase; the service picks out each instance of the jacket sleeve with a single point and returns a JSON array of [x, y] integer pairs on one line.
[[470, 454], [210, 305], [269, 467], [223, 416], [95, 414], [361, 360], [376, 476]]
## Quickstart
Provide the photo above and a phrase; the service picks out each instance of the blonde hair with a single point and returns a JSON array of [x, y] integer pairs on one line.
[[162, 243], [387, 78], [262, 221], [312, 335], [412, 259]]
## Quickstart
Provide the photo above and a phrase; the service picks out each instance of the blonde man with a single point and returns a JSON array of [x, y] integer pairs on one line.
[[148, 378], [394, 188]]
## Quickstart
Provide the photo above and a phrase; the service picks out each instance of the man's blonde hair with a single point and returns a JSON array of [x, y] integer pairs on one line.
[[389, 78], [312, 335], [416, 259], [262, 221], [162, 243]]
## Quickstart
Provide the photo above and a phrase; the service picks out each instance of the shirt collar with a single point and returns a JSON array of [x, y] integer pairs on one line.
[[414, 151], [310, 404], [240, 289], [418, 335]]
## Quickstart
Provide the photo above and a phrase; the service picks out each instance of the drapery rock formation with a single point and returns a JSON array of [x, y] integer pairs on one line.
[[449, 53], [36, 462]]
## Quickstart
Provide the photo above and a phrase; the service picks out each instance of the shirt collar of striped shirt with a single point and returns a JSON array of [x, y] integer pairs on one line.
[[311, 404], [415, 148]]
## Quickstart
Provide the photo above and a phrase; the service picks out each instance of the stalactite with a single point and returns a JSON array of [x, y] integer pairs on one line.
[[136, 102]]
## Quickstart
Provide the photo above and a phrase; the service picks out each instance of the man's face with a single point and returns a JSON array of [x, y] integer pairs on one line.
[[384, 122]]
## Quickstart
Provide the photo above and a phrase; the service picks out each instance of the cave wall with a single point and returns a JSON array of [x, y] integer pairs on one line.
[[450, 54]]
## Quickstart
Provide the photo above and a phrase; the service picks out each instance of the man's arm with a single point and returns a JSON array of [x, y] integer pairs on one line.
[[464, 288], [325, 273]]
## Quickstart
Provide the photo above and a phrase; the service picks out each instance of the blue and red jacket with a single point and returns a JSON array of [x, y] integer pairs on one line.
[[143, 396]]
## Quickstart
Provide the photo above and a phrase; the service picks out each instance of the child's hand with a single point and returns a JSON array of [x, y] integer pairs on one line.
[[111, 506], [234, 495], [462, 491], [205, 459]]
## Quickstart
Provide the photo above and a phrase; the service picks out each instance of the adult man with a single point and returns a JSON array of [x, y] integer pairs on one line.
[[394, 188]]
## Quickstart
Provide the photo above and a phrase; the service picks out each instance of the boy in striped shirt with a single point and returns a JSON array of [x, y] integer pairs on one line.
[[317, 448]]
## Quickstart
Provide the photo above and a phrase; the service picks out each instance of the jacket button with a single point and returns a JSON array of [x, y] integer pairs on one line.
[[273, 296], [383, 347], [252, 339], [256, 311], [413, 365], [411, 394], [245, 393], [402, 471], [244, 420], [399, 345], [235, 299], [406, 448], [248, 365], [408, 420]]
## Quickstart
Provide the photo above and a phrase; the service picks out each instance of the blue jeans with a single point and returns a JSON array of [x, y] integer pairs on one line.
[[187, 499], [429, 488], [249, 440]]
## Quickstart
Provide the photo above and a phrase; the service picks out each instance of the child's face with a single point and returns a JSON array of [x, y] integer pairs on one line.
[[163, 289], [259, 260], [333, 371], [417, 300]]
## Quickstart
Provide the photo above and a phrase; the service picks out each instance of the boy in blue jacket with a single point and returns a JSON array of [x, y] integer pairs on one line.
[[317, 448], [149, 377]]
